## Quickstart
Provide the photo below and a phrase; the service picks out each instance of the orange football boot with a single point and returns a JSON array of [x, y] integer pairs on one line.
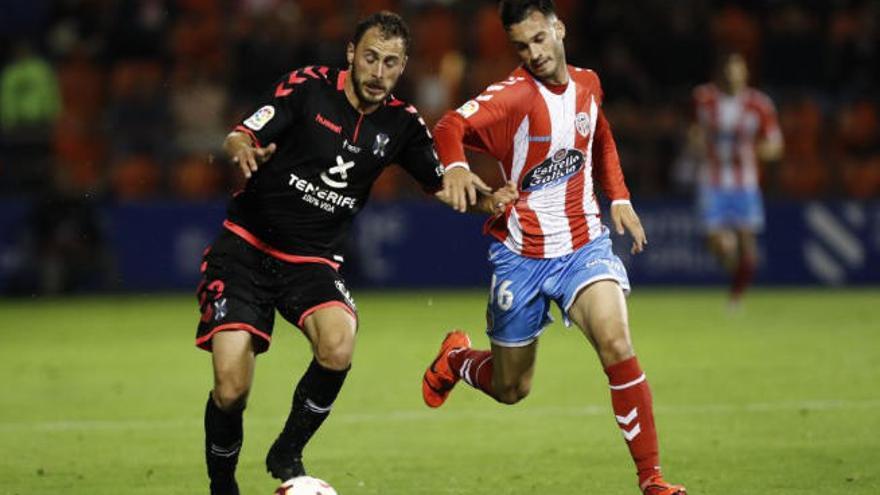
[[439, 377], [656, 486]]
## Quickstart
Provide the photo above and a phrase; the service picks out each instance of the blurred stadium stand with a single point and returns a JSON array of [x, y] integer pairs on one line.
[[112, 102]]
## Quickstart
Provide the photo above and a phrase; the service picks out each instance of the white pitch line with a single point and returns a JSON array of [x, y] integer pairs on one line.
[[434, 416]]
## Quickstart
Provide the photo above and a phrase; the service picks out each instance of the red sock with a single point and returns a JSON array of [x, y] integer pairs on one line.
[[474, 367], [631, 400], [742, 277]]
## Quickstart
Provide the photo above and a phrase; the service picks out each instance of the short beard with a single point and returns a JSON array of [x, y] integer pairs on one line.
[[358, 88]]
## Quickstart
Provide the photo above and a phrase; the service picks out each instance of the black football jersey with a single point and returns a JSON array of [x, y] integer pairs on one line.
[[328, 155]]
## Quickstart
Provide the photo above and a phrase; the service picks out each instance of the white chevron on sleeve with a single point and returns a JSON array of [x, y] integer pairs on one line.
[[630, 434], [625, 420]]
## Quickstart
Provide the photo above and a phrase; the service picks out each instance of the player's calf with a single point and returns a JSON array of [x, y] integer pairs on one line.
[[223, 439], [312, 402]]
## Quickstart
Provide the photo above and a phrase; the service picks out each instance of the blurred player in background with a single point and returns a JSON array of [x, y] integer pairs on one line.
[[734, 127], [545, 126], [310, 152]]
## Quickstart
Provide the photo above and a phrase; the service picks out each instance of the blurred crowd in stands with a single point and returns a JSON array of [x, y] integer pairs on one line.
[[131, 99]]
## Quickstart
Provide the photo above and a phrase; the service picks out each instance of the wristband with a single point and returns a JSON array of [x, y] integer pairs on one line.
[[453, 165]]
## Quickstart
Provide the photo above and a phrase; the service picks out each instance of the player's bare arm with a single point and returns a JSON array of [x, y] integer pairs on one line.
[[499, 200], [460, 188], [696, 140], [770, 150], [493, 203], [624, 217], [241, 150]]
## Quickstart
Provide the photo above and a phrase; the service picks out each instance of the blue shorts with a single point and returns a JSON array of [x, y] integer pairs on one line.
[[737, 208], [522, 287]]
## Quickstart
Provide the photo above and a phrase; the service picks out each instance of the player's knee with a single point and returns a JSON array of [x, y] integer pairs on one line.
[[231, 394], [523, 390], [507, 396], [334, 353], [513, 392], [616, 349], [510, 396]]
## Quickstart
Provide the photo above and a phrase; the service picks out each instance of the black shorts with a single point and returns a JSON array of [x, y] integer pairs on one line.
[[242, 287]]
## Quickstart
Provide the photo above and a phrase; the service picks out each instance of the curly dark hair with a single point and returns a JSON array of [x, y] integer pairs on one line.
[[390, 24], [514, 11]]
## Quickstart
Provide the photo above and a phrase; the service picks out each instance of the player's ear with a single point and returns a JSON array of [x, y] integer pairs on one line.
[[349, 53], [559, 28], [403, 64]]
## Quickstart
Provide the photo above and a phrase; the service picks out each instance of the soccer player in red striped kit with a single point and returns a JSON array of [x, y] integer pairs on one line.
[[546, 128], [735, 128]]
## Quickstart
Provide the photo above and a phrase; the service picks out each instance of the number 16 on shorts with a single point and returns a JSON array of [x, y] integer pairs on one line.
[[500, 294]]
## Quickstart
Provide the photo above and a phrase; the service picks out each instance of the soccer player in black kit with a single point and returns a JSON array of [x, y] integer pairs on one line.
[[310, 152]]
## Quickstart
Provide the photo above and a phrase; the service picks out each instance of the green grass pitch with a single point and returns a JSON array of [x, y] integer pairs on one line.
[[105, 396]]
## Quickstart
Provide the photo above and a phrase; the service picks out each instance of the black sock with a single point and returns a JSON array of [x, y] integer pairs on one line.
[[223, 437], [312, 400]]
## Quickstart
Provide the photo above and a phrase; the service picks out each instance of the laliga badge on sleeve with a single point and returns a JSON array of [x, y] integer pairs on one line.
[[468, 109], [260, 118]]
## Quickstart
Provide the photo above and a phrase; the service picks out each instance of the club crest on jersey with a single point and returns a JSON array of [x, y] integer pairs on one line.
[[582, 123], [468, 109], [260, 118], [554, 170], [380, 144]]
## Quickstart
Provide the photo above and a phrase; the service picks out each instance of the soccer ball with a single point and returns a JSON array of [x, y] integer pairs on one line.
[[305, 485]]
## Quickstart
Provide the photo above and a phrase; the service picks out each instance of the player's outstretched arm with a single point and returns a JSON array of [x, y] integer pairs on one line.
[[493, 203], [499, 200], [770, 150], [460, 188], [241, 150], [624, 217]]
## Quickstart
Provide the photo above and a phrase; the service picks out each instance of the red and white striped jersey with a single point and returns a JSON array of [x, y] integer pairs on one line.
[[552, 142], [732, 126]]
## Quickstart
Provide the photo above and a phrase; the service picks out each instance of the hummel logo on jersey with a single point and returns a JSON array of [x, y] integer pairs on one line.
[[341, 168], [329, 125], [379, 146]]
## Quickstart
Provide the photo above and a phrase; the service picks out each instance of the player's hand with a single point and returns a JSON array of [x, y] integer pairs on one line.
[[624, 216], [460, 187], [249, 158], [502, 197]]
